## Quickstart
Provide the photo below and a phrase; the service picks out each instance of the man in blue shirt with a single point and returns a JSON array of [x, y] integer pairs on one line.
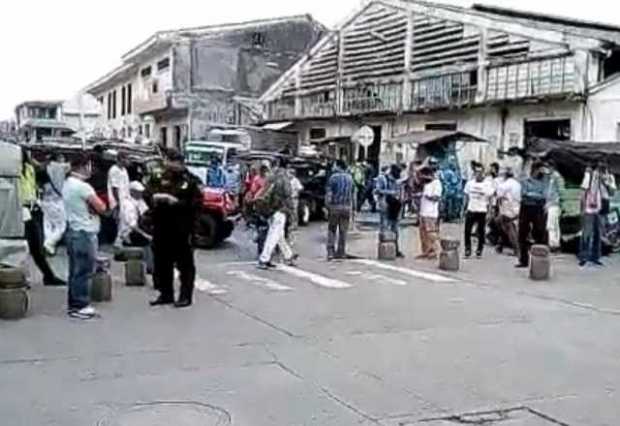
[[215, 175], [339, 201], [532, 216], [388, 191]]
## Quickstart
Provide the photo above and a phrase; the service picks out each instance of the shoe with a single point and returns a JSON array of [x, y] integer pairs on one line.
[[183, 303], [290, 262], [85, 313], [598, 263], [263, 266], [521, 266], [54, 282], [582, 263], [330, 257], [479, 255], [499, 250], [467, 254], [160, 301], [400, 255]]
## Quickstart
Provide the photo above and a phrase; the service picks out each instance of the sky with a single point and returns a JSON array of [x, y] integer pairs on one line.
[[52, 49]]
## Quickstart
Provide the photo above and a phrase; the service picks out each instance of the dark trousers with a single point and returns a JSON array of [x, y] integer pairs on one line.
[[34, 236], [367, 194], [479, 220], [338, 222], [590, 248], [531, 221], [167, 256]]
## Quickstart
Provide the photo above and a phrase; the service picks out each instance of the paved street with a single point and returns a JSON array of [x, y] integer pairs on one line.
[[349, 343]]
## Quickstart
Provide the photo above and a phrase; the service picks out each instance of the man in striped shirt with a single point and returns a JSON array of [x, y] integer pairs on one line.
[[339, 201]]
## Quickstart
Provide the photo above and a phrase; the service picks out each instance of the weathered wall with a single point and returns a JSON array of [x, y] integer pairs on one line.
[[603, 114]]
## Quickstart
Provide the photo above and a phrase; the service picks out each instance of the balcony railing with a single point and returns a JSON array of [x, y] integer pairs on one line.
[[155, 102], [542, 77], [449, 90], [281, 109], [372, 98]]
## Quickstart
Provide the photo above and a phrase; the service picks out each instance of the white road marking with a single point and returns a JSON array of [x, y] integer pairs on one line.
[[378, 277], [411, 272], [317, 279], [208, 287], [239, 263], [259, 281]]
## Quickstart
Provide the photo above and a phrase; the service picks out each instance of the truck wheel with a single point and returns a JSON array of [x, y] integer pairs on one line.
[[225, 230], [304, 213], [206, 232]]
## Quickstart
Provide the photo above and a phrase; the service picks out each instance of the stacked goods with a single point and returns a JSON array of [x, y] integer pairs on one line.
[[13, 293]]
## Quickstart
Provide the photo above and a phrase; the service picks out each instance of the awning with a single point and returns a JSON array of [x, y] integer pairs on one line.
[[423, 137], [277, 126], [333, 139], [46, 123]]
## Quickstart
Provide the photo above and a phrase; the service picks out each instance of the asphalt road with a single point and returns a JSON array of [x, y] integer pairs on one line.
[[358, 342]]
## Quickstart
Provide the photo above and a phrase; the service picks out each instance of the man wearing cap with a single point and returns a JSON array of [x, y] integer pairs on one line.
[[175, 203]]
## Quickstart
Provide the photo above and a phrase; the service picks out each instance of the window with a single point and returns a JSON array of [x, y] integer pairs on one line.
[[147, 131], [129, 98], [123, 133], [114, 104], [140, 130], [145, 72], [123, 100], [164, 136], [177, 136], [318, 133], [163, 65], [129, 132], [155, 87], [110, 106]]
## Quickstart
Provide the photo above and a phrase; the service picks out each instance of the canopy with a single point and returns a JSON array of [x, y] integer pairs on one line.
[[423, 137], [572, 158]]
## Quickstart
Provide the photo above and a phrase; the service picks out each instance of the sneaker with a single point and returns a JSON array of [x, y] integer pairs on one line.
[[400, 255], [598, 263], [85, 313], [582, 263], [467, 254], [183, 303], [290, 262], [521, 266], [263, 266], [479, 255], [54, 282]]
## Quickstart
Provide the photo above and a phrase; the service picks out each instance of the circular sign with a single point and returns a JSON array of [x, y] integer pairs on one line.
[[364, 136]]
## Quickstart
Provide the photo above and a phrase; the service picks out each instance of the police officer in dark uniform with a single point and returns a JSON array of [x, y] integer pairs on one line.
[[175, 200]]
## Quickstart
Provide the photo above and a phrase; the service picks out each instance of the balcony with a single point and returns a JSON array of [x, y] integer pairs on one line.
[[319, 105], [456, 90], [154, 102], [372, 98], [531, 79]]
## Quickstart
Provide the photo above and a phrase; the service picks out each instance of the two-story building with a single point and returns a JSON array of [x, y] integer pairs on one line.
[[177, 84], [403, 67], [37, 120]]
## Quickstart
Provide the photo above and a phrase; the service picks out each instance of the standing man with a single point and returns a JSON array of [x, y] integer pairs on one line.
[[532, 215], [339, 201], [277, 200], [118, 193], [83, 208], [296, 188], [478, 192], [54, 218], [388, 193], [555, 187], [429, 212], [509, 200], [215, 175], [358, 173], [33, 220], [175, 203], [597, 187]]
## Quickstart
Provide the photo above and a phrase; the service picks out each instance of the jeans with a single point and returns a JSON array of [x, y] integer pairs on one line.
[[591, 246], [276, 237], [531, 220], [82, 251], [338, 222], [387, 224], [479, 219]]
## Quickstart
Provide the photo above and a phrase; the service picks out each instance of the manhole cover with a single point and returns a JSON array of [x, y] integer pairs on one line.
[[170, 413], [521, 416]]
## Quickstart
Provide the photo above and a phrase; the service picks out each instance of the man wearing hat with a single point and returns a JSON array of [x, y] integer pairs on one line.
[[175, 202]]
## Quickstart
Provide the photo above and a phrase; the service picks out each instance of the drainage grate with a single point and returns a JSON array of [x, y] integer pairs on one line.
[[177, 413], [520, 416]]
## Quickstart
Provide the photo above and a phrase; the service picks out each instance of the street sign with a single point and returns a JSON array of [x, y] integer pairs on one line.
[[364, 136]]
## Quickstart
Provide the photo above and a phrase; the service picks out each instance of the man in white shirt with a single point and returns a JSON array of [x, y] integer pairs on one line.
[[118, 192], [429, 216], [509, 199], [478, 192]]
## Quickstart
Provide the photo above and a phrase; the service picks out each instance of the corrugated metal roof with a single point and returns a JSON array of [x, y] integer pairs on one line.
[[422, 137]]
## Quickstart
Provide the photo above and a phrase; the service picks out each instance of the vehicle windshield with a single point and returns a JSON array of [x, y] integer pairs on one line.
[[203, 154]]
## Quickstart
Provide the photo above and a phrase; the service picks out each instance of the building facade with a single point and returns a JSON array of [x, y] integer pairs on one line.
[[403, 66], [177, 84], [37, 120]]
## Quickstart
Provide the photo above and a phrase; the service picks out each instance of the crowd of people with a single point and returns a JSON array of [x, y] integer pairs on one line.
[[498, 205]]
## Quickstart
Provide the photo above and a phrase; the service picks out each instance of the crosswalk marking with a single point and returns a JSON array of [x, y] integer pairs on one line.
[[317, 279], [259, 281], [208, 287], [411, 272], [378, 277]]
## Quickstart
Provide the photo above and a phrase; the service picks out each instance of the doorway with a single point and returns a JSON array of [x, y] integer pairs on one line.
[[556, 129]]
